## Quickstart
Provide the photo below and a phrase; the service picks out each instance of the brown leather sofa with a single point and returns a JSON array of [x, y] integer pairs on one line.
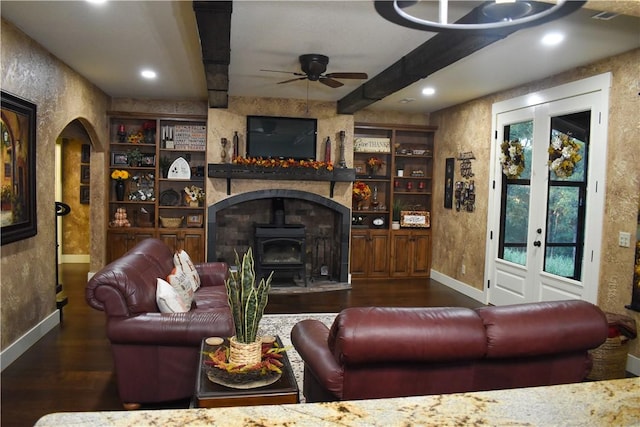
[[377, 352], [156, 354]]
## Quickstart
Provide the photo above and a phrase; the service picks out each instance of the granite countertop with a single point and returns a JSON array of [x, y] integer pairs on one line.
[[599, 403]]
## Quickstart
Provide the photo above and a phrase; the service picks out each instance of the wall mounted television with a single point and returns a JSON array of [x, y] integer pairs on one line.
[[282, 137]]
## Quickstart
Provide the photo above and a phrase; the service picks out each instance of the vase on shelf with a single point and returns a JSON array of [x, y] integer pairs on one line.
[[119, 190], [194, 204]]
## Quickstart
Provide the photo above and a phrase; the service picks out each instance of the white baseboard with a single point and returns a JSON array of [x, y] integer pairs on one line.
[[74, 259], [633, 364], [459, 286], [22, 344]]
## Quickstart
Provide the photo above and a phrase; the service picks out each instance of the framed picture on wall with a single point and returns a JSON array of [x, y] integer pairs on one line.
[[85, 153], [85, 174], [18, 185], [448, 182], [84, 194]]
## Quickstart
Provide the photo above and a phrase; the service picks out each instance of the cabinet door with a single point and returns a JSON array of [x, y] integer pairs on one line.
[[358, 262], [421, 257], [401, 253], [191, 241], [378, 254], [120, 241]]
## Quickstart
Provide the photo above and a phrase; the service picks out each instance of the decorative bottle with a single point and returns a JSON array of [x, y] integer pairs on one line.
[[236, 143]]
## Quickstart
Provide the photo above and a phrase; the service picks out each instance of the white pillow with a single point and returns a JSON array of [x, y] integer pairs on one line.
[[168, 299], [183, 284], [182, 260]]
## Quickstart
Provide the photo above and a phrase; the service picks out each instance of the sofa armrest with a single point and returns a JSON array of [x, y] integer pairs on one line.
[[213, 273], [169, 329], [309, 337]]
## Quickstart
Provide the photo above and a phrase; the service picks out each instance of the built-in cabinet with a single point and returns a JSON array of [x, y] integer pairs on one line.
[[151, 161], [396, 163]]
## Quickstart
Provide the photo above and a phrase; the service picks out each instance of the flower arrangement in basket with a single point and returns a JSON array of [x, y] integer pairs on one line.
[[195, 195], [361, 191], [374, 164], [564, 155], [512, 158]]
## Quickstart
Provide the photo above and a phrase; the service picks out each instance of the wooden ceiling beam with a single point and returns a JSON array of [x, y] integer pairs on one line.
[[214, 27]]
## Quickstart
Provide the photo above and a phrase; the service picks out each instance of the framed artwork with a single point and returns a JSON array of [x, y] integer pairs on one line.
[[85, 156], [85, 174], [18, 185], [84, 194], [194, 220], [448, 182], [119, 159], [148, 160], [415, 219]]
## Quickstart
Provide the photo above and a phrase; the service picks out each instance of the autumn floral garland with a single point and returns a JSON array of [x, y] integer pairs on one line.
[[282, 163]]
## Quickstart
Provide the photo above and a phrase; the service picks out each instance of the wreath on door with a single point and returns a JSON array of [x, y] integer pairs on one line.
[[564, 155], [512, 158]]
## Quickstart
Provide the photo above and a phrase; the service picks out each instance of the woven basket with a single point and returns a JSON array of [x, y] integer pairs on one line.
[[610, 359], [245, 354], [171, 222]]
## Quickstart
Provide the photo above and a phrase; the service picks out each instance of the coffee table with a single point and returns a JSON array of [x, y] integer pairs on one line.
[[211, 395]]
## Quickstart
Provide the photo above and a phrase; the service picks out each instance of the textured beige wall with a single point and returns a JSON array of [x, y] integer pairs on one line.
[[61, 95], [460, 237], [75, 226]]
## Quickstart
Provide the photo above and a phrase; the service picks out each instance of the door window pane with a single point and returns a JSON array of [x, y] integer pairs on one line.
[[562, 214]]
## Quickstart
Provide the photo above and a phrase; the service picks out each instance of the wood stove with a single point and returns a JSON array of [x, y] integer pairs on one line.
[[280, 248]]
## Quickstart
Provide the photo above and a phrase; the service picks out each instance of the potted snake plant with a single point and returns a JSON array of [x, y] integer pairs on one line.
[[247, 301]]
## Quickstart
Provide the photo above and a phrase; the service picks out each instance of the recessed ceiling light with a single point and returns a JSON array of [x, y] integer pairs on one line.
[[406, 100], [428, 91], [552, 39], [97, 1], [148, 74]]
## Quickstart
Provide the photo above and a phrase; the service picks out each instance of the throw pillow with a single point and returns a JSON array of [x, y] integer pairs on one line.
[[182, 282], [168, 299], [182, 260]]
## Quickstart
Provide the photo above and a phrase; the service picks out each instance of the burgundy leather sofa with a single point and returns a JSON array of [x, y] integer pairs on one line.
[[377, 352], [156, 354]]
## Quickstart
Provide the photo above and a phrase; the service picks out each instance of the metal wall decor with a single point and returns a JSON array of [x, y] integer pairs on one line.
[[465, 196], [448, 183], [465, 164]]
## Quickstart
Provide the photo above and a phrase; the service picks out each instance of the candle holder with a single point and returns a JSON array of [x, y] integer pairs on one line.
[[342, 162]]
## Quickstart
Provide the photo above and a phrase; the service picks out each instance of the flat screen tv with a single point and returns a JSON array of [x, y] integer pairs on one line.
[[281, 137]]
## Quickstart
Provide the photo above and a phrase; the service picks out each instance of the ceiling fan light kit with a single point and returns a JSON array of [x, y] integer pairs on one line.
[[501, 14]]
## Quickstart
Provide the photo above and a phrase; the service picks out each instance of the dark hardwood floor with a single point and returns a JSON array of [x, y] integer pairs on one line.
[[70, 369]]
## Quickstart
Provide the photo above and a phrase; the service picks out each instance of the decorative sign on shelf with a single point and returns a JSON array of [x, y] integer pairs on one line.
[[415, 219], [465, 164], [371, 145]]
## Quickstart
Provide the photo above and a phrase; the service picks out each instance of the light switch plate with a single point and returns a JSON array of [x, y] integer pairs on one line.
[[624, 239]]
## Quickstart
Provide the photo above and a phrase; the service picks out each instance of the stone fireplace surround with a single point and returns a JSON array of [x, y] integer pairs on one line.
[[231, 220]]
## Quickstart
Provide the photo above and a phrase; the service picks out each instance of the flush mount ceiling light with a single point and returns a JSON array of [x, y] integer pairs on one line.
[[493, 15], [148, 74]]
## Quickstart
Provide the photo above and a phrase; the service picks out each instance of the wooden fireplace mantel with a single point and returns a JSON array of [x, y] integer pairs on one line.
[[230, 171]]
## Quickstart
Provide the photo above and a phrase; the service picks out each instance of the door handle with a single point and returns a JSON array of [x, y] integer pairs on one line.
[[537, 243]]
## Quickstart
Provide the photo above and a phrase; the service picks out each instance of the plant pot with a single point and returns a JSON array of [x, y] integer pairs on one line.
[[194, 204], [395, 225], [245, 354]]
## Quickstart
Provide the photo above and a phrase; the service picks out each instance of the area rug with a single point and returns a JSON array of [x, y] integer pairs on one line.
[[281, 325], [312, 286]]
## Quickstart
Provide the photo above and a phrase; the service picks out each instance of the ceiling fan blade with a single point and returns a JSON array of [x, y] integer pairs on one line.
[[293, 80], [347, 75], [325, 80], [287, 72]]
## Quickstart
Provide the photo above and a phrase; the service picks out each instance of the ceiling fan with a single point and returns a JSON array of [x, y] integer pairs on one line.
[[313, 66]]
